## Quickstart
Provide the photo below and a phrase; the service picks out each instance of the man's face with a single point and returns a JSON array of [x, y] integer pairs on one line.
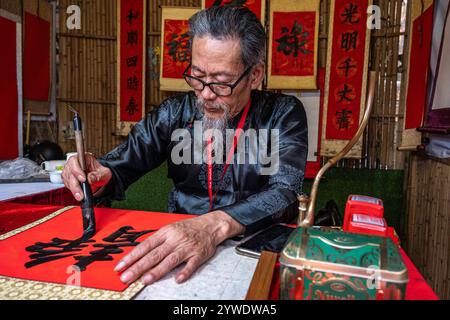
[[220, 61]]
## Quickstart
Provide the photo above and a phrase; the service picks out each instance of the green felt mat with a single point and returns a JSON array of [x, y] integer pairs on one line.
[[150, 193]]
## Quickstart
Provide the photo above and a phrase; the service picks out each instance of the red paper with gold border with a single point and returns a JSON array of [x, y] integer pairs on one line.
[[347, 67], [175, 51], [131, 56], [256, 6], [99, 273], [293, 44], [295, 60]]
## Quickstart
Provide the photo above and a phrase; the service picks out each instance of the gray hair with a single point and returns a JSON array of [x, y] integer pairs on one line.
[[225, 22]]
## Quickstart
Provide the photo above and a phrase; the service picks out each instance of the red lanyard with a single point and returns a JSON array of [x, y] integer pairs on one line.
[[230, 155]]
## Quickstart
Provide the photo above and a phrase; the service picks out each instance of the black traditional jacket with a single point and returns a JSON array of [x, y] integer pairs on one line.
[[253, 199]]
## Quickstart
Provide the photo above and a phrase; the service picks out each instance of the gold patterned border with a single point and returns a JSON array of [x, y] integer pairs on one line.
[[293, 82], [21, 289], [35, 223]]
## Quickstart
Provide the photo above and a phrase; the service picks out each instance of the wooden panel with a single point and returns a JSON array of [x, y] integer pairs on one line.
[[428, 221], [262, 278], [12, 6], [87, 75]]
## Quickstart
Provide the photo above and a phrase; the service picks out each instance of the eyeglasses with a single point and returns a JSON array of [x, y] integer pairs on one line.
[[219, 88]]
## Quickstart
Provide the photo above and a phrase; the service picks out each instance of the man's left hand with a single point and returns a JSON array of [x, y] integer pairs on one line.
[[193, 241]]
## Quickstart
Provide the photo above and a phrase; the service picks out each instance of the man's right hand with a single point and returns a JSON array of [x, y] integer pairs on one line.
[[72, 175]]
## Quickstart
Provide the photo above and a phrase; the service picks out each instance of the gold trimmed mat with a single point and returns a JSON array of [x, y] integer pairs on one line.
[[21, 289]]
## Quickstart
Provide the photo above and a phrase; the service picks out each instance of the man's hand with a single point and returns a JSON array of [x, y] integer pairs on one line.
[[193, 241], [72, 175]]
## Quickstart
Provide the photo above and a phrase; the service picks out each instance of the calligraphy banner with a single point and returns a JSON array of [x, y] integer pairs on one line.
[[293, 44], [346, 75], [175, 50], [131, 36], [258, 7], [47, 259], [11, 145], [421, 30]]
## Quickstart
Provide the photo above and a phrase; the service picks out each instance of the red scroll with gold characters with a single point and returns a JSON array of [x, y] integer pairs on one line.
[[131, 64], [47, 259], [346, 74]]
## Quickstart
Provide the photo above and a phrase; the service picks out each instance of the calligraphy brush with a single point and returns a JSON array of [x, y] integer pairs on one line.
[[87, 204]]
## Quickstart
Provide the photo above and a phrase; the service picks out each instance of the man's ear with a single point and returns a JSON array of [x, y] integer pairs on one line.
[[257, 76]]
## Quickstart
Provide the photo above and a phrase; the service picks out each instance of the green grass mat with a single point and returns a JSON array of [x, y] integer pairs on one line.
[[150, 193]]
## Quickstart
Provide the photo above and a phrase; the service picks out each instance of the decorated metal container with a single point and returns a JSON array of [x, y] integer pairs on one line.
[[328, 264]]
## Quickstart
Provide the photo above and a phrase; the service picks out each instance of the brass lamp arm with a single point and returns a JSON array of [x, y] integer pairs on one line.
[[308, 221]]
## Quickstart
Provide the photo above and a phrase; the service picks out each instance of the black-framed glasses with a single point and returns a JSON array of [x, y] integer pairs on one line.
[[219, 88]]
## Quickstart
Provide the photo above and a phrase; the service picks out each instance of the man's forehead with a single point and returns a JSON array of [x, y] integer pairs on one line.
[[215, 56], [216, 72]]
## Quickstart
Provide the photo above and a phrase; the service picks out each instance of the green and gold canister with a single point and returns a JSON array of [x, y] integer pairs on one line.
[[329, 264]]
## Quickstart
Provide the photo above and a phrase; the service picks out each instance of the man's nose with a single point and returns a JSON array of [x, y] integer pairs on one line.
[[208, 94]]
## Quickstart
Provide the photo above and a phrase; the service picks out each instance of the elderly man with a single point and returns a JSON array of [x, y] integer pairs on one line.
[[227, 68]]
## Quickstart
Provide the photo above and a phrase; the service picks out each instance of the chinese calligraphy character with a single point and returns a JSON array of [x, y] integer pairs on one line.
[[121, 238], [132, 37], [132, 107], [348, 67], [132, 61], [293, 42], [54, 250], [59, 248], [132, 83], [349, 40], [346, 94], [343, 119], [179, 47], [351, 14], [132, 16]]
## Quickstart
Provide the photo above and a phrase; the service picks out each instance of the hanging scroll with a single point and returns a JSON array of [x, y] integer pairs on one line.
[[258, 7], [417, 71], [293, 44], [438, 113], [36, 59], [10, 86], [131, 64], [47, 259], [176, 53], [346, 76]]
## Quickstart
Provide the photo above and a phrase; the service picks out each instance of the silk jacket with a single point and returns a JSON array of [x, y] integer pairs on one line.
[[254, 199]]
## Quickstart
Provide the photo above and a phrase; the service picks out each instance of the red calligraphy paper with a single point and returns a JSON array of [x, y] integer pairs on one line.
[[347, 69], [293, 43], [132, 59], [68, 226], [253, 5], [36, 58], [419, 63], [177, 53], [8, 91]]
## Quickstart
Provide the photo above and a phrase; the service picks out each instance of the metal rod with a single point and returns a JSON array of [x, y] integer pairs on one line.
[[308, 221]]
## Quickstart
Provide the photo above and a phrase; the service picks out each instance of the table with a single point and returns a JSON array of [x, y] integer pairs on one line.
[[12, 191], [226, 276]]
